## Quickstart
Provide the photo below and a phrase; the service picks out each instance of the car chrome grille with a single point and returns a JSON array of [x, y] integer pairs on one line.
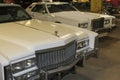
[[56, 57], [97, 23]]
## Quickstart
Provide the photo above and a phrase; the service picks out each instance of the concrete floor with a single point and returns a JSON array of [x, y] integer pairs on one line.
[[107, 66]]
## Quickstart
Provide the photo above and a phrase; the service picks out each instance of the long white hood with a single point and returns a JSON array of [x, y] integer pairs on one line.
[[17, 40], [50, 27], [90, 15], [73, 15], [98, 15]]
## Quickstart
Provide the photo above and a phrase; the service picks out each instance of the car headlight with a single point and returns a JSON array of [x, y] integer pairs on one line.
[[16, 67], [82, 44], [107, 21], [33, 74], [83, 25]]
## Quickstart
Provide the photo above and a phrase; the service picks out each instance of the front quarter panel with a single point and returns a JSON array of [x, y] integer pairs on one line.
[[92, 36]]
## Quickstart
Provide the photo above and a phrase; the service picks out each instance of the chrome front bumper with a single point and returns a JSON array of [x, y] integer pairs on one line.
[[45, 74], [103, 32]]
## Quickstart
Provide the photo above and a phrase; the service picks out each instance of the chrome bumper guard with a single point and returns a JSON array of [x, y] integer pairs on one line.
[[103, 30], [92, 53], [44, 74]]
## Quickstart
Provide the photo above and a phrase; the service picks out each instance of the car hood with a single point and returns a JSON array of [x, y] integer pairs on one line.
[[73, 15], [18, 40], [90, 15], [107, 16], [99, 15], [60, 30]]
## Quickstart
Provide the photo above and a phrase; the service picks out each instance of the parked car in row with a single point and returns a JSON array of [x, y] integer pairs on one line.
[[63, 12], [109, 19], [30, 47]]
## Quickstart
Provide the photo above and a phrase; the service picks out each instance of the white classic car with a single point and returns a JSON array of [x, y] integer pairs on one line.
[[109, 19], [30, 47], [62, 12]]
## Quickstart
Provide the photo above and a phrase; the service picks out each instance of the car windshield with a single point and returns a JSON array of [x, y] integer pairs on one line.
[[59, 8], [12, 13], [82, 6]]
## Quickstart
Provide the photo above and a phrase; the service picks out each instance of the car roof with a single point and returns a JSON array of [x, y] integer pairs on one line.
[[50, 3], [4, 4]]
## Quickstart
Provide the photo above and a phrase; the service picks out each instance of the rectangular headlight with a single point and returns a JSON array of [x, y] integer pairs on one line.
[[107, 21], [29, 76], [82, 44], [83, 25], [16, 67]]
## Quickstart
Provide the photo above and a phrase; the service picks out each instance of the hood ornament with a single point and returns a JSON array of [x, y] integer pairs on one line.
[[56, 33]]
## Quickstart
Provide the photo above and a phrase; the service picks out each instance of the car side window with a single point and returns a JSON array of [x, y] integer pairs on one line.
[[4, 15], [39, 8], [21, 15]]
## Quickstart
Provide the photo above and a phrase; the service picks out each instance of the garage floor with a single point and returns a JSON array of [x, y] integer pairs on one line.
[[107, 66]]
